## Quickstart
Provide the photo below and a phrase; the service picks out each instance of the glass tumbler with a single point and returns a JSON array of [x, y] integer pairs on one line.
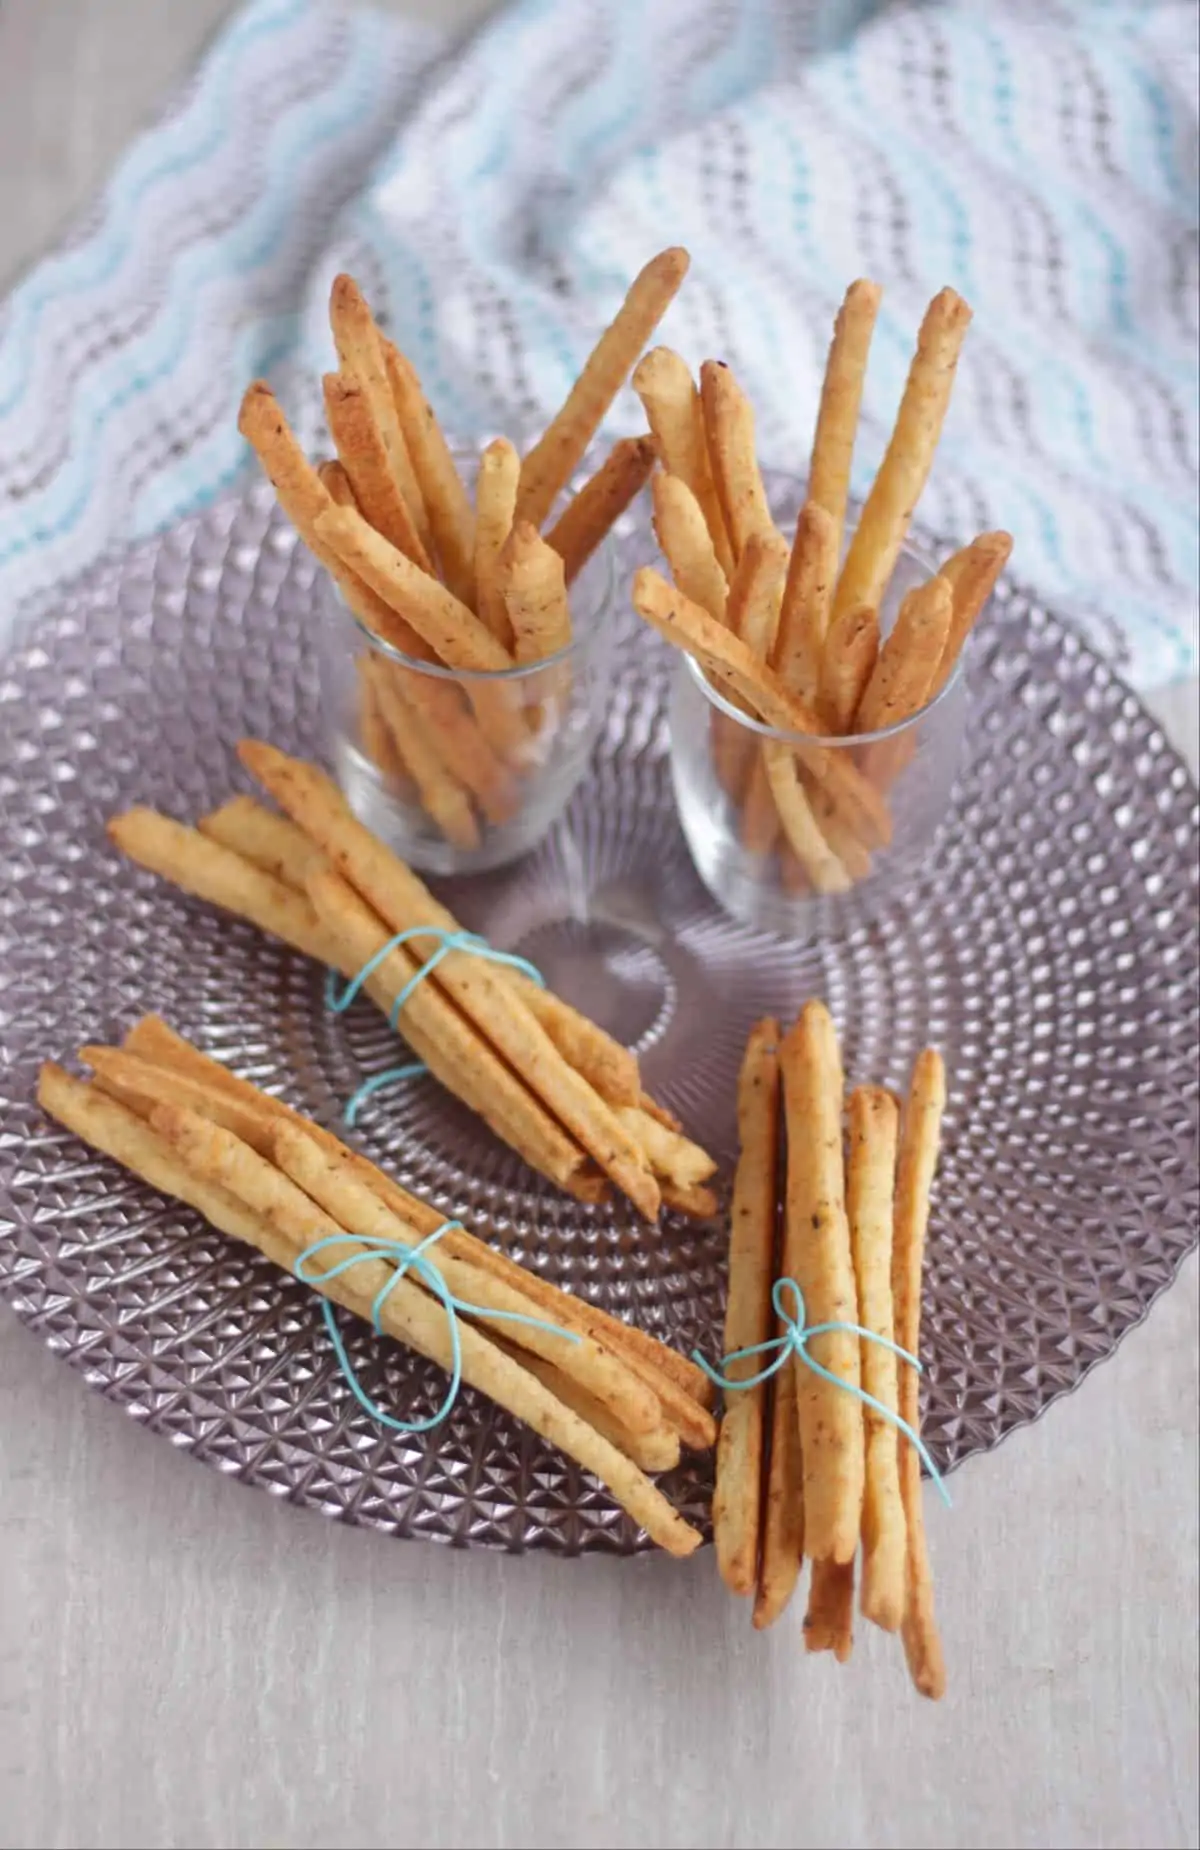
[[803, 834], [461, 771]]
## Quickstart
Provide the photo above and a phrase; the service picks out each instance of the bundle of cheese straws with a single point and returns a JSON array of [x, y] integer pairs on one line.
[[822, 1458], [606, 1393], [554, 1086], [791, 634], [473, 588]]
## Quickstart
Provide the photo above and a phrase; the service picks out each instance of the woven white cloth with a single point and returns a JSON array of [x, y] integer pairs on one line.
[[1038, 155]]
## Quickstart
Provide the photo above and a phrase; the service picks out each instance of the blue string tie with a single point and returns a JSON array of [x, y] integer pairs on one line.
[[405, 1259], [797, 1334], [447, 941]]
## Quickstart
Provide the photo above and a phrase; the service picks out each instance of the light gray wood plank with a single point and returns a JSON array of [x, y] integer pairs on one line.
[[186, 1663]]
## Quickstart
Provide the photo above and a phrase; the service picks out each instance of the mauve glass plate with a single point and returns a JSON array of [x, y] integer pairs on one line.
[[1049, 950]]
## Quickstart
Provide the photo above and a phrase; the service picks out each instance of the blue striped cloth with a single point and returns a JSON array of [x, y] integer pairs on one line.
[[1040, 157]]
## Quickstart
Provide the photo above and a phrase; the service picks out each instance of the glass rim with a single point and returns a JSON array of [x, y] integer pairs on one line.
[[837, 741], [599, 624]]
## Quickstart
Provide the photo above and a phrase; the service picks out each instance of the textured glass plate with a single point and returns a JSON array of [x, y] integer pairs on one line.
[[1050, 951]]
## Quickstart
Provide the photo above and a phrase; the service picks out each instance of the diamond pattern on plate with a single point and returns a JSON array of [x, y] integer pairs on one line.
[[1049, 949]]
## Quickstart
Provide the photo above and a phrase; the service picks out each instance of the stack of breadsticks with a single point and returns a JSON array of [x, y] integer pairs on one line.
[[804, 1467], [786, 636], [549, 1082], [474, 588], [614, 1399]]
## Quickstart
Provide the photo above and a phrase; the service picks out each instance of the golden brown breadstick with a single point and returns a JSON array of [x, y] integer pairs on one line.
[[467, 754], [374, 735], [601, 501], [733, 666], [870, 1179], [361, 357], [671, 1155], [841, 838], [851, 651], [652, 1452], [259, 835], [756, 591], [445, 625], [368, 467], [447, 504], [334, 1186], [418, 749], [760, 829], [729, 427], [337, 483], [919, 1134], [304, 498], [841, 398], [210, 871], [685, 539], [533, 585], [675, 415], [683, 1388], [909, 658], [401, 900], [453, 631], [495, 504], [280, 847], [611, 1068], [141, 1084], [804, 616], [450, 1045], [406, 1313], [825, 871], [782, 1524], [449, 730], [829, 1621], [817, 1255], [109, 1125], [905, 468], [737, 1500], [557, 454], [972, 574]]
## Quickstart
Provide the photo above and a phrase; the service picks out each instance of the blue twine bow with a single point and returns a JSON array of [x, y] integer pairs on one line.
[[797, 1333], [406, 1259], [449, 941]]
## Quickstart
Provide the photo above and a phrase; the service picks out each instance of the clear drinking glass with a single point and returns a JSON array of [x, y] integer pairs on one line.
[[864, 810], [462, 771]]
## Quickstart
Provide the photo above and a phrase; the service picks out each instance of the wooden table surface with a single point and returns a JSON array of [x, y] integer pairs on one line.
[[184, 1662]]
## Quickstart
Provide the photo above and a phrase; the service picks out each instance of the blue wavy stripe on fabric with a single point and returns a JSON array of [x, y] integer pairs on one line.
[[109, 388], [148, 165]]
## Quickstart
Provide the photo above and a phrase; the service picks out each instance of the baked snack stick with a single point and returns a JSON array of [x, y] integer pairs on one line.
[[729, 427], [331, 1176], [734, 667], [281, 847], [675, 415], [737, 1500], [841, 399], [674, 1378], [870, 1180], [816, 1254], [904, 471], [600, 502], [557, 454], [361, 357], [364, 456], [445, 499], [454, 1052], [920, 1129], [402, 901], [409, 1315]]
